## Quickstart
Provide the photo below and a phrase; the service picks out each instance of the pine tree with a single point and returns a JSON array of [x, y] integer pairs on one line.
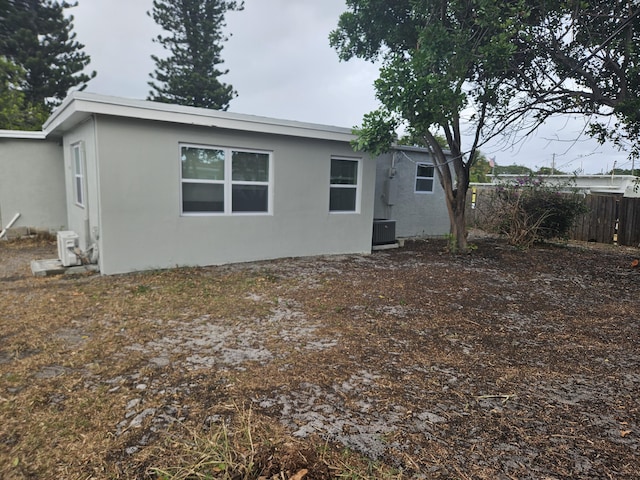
[[36, 36], [190, 74], [15, 111]]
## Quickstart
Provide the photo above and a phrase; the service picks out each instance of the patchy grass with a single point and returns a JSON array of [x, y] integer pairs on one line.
[[498, 364]]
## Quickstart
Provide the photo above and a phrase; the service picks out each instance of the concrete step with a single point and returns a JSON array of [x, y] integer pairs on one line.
[[45, 268]]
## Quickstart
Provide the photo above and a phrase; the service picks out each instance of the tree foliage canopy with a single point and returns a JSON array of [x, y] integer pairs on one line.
[[513, 170], [190, 74], [37, 37], [481, 170], [476, 69], [15, 111], [587, 61]]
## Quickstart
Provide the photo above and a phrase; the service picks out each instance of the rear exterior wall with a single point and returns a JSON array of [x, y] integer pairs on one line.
[[139, 196]]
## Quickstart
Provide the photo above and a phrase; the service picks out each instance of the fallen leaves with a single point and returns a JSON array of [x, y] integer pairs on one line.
[[280, 476], [510, 381]]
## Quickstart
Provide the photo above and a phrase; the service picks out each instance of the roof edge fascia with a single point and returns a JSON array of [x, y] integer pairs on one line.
[[416, 149], [78, 105], [23, 134]]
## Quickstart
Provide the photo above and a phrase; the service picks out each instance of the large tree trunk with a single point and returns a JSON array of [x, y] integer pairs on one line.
[[456, 207], [459, 220], [453, 175]]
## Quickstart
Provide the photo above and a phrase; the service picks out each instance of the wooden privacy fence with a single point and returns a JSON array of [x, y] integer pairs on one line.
[[610, 218]]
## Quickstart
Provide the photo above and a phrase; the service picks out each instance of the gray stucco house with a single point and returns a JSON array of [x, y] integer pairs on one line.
[[408, 191], [147, 185], [31, 182]]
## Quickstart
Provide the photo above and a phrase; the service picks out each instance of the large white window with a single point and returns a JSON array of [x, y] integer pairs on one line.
[[344, 190], [424, 178], [224, 180], [78, 173]]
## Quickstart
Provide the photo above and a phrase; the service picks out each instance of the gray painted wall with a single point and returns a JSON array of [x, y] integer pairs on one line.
[[82, 219], [137, 184], [416, 214], [32, 184]]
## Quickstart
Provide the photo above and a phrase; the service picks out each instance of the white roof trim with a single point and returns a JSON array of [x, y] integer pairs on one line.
[[79, 105], [22, 134], [416, 149]]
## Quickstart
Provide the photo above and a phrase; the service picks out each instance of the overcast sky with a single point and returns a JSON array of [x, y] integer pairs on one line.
[[282, 66]]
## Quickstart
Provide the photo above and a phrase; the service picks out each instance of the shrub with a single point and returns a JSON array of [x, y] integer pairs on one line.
[[530, 210]]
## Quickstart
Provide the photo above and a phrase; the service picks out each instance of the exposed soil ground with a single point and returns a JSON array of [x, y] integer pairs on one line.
[[500, 364]]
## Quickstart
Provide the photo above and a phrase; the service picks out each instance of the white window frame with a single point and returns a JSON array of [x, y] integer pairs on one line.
[[357, 186], [418, 177], [77, 167], [228, 181]]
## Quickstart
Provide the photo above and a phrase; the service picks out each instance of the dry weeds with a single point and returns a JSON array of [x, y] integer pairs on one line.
[[403, 364]]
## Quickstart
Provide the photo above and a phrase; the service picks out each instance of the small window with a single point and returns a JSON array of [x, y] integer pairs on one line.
[[424, 178], [225, 181], [78, 174], [344, 185]]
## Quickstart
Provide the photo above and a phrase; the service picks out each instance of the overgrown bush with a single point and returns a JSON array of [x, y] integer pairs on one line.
[[530, 210]]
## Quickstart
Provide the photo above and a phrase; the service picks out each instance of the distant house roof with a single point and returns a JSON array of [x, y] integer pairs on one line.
[[605, 184], [416, 149], [80, 105]]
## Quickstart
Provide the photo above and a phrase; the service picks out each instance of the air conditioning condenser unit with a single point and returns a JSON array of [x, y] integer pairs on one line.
[[384, 231]]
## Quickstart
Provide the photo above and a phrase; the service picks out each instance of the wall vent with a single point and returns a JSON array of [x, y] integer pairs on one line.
[[67, 245], [384, 231]]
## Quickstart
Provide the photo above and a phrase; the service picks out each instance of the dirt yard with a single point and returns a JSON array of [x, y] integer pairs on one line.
[[500, 364]]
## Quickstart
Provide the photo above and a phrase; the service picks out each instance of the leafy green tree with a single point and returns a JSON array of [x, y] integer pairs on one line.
[[492, 68], [15, 112], [37, 36], [623, 171], [190, 75], [481, 169], [439, 59], [513, 170], [412, 140], [550, 171]]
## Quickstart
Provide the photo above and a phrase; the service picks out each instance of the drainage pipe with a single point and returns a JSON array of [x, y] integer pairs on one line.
[[9, 225]]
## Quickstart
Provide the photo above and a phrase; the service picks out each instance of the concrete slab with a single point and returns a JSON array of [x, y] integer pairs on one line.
[[45, 268], [387, 246]]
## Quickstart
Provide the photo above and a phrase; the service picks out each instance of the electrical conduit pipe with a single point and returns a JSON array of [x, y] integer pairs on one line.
[[9, 225]]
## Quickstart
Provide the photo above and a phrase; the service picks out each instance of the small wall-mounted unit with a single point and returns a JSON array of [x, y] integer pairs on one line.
[[67, 245]]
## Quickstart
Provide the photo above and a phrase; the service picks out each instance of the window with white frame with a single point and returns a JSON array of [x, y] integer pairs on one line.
[[78, 173], [344, 190], [424, 177], [219, 180]]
